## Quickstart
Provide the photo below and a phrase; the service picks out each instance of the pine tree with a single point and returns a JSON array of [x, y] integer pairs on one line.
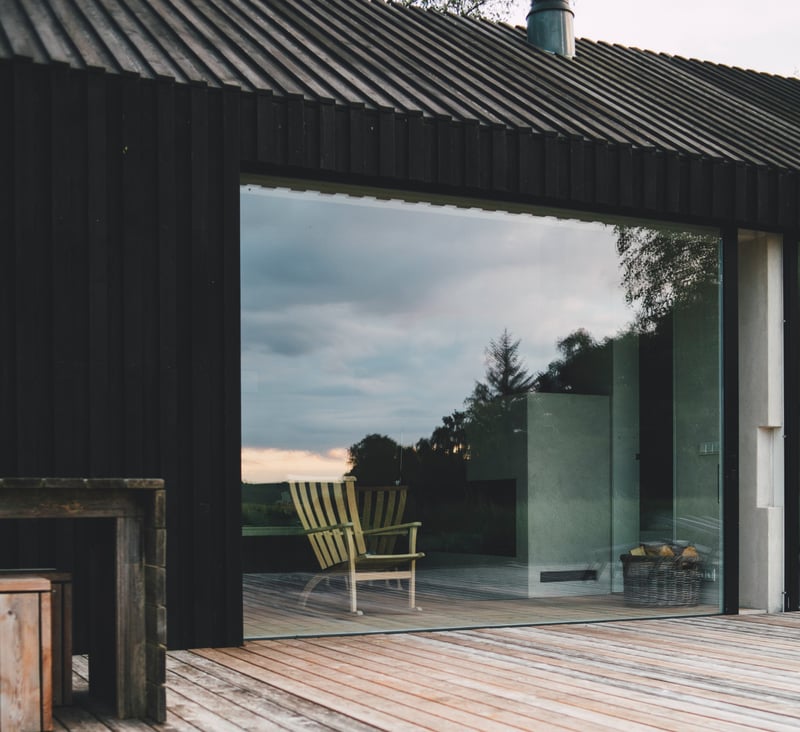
[[505, 374]]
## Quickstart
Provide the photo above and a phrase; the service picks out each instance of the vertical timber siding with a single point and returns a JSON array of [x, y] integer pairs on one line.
[[119, 318], [352, 144]]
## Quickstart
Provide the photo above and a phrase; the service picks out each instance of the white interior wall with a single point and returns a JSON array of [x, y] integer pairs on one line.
[[761, 534]]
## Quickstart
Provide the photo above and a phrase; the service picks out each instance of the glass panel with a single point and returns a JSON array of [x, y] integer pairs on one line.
[[547, 392]]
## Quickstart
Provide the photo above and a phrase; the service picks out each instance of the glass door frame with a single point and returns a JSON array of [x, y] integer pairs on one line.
[[791, 326], [730, 421]]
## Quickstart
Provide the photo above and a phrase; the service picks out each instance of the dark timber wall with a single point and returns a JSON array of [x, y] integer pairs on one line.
[[119, 275], [119, 316], [291, 136]]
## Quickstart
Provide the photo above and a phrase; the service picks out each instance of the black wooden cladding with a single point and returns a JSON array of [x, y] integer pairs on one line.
[[358, 145], [120, 322], [378, 55], [122, 139], [401, 97]]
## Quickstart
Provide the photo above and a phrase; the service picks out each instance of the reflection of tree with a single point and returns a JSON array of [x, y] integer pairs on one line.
[[490, 9], [672, 280], [450, 438], [505, 374], [664, 270], [442, 472], [375, 460], [492, 406], [439, 462], [584, 366]]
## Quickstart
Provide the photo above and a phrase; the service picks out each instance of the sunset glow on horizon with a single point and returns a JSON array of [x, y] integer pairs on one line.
[[272, 465]]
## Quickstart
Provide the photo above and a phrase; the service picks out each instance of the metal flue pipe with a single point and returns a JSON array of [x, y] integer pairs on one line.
[[550, 26]]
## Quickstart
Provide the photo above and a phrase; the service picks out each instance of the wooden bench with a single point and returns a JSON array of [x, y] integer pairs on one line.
[[26, 674]]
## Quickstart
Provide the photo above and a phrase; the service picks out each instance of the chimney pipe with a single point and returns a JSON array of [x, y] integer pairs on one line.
[[550, 26]]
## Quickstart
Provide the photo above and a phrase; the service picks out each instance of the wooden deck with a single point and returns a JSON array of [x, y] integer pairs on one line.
[[711, 673]]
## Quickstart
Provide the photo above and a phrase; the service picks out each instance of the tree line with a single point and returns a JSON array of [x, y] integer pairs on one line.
[[441, 458]]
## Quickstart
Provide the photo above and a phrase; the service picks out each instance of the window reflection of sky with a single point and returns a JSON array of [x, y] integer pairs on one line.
[[362, 316]]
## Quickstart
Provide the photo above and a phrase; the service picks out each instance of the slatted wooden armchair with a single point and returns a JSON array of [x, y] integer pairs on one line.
[[330, 517]]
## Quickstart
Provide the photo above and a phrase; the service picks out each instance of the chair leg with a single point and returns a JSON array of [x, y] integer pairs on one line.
[[352, 575], [354, 599], [412, 587], [309, 588]]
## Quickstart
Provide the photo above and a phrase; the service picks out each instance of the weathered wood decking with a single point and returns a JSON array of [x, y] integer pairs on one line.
[[712, 673]]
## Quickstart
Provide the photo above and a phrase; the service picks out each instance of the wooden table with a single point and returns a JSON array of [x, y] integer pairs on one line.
[[127, 654]]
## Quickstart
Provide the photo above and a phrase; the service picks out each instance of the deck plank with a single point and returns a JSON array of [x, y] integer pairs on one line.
[[511, 677], [679, 674], [630, 676], [246, 663], [281, 708], [722, 674], [527, 703], [515, 691], [369, 670], [85, 713]]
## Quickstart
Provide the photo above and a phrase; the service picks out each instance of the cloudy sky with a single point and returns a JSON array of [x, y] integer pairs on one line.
[[363, 316], [755, 34]]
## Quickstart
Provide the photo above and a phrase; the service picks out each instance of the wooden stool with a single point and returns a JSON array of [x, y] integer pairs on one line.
[[26, 675], [61, 624]]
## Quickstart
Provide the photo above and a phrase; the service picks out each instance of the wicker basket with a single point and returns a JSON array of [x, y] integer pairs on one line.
[[660, 581]]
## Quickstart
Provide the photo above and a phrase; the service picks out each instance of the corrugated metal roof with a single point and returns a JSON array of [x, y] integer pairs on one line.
[[382, 55]]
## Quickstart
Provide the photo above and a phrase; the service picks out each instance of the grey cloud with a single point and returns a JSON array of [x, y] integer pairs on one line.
[[362, 317], [379, 258]]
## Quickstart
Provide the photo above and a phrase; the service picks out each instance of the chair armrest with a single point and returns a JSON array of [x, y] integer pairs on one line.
[[397, 528], [391, 557], [332, 527]]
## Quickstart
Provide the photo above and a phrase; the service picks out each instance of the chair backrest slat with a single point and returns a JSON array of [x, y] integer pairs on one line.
[[320, 504], [351, 504], [304, 498], [380, 507]]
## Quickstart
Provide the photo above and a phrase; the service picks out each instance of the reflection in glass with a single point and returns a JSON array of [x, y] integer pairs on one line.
[[547, 389]]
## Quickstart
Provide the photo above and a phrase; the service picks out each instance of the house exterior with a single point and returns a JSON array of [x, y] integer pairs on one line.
[[126, 131]]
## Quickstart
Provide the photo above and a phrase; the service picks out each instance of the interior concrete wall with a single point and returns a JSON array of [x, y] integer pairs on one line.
[[568, 490], [500, 451], [558, 449], [761, 508]]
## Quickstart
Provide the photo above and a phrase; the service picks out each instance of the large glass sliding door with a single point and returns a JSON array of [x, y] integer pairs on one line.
[[547, 390]]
